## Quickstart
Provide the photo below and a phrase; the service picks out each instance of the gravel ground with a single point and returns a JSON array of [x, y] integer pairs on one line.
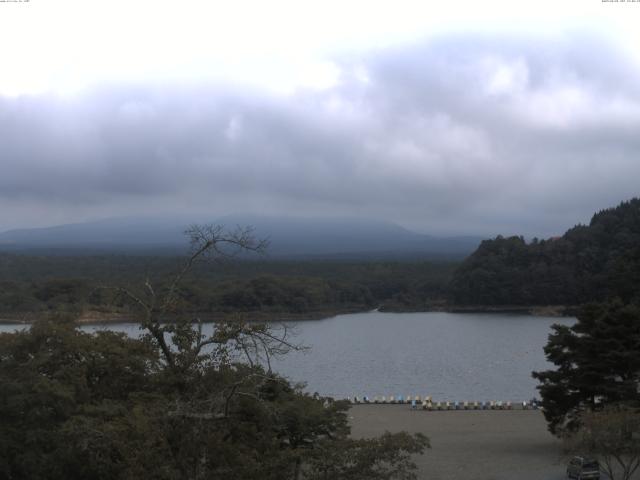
[[477, 445]]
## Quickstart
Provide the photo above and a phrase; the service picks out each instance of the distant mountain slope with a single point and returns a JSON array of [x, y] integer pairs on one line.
[[116, 232], [289, 237], [587, 263]]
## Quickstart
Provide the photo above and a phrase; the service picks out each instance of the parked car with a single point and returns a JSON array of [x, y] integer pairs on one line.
[[583, 468]]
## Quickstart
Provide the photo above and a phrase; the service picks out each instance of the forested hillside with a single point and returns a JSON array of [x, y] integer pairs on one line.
[[588, 263]]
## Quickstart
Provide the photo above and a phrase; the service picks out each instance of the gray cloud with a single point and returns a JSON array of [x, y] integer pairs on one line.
[[456, 135]]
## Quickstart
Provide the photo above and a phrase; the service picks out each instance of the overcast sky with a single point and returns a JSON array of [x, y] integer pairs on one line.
[[478, 118]]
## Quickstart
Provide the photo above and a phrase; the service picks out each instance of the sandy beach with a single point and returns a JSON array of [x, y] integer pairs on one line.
[[478, 445]]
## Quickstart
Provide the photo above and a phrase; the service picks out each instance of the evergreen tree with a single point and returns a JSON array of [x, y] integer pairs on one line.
[[598, 363], [588, 263]]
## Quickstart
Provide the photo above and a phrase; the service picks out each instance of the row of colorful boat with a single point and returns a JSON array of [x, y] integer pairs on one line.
[[427, 403]]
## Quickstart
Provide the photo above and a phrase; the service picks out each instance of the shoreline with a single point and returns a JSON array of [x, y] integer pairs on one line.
[[105, 318], [93, 317], [532, 310]]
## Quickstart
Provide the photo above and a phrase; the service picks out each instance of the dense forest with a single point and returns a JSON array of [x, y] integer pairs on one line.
[[588, 263], [36, 284]]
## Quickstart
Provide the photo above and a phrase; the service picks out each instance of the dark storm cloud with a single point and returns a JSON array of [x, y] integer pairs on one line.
[[458, 134]]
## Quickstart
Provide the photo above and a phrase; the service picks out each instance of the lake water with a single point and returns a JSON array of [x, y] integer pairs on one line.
[[474, 357]]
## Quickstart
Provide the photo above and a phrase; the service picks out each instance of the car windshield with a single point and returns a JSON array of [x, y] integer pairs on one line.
[[591, 466]]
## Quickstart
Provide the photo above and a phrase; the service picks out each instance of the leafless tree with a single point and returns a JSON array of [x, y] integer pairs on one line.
[[181, 340]]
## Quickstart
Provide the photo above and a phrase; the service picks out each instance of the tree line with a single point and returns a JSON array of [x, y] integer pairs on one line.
[[39, 285]]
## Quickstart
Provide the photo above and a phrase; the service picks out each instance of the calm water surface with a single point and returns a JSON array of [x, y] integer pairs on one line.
[[448, 356]]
